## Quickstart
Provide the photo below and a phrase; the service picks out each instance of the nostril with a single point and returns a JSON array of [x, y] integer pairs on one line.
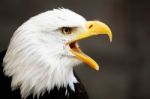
[[91, 26]]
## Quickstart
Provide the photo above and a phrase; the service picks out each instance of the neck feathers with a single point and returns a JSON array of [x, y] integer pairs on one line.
[[33, 75]]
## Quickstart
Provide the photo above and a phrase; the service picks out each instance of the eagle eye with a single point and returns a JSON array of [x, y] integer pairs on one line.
[[66, 30]]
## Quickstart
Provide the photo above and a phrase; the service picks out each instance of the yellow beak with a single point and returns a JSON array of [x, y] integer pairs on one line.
[[94, 28]]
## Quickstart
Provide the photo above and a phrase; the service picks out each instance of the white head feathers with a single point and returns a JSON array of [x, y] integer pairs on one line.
[[37, 58]]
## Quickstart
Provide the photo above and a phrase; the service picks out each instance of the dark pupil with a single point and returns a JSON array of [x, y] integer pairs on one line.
[[67, 30]]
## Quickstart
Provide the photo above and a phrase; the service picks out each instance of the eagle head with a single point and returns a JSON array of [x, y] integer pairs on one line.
[[44, 50]]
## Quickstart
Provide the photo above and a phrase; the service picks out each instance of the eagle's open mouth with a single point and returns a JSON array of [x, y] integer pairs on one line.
[[96, 29], [75, 47]]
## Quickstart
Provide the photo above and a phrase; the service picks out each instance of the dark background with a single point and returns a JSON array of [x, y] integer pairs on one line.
[[125, 63]]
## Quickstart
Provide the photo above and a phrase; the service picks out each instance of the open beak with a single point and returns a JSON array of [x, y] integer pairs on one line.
[[94, 28]]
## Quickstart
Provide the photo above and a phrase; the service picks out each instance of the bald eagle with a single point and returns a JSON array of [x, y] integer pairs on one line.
[[39, 60]]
